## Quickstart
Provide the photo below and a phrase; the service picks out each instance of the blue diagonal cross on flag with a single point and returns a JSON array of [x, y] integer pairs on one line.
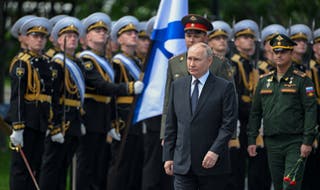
[[168, 40]]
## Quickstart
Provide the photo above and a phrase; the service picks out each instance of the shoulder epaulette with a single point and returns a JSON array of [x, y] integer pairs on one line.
[[59, 61], [267, 74], [299, 73], [179, 57], [78, 55], [235, 57], [262, 65], [50, 53], [117, 61], [21, 56], [312, 63]]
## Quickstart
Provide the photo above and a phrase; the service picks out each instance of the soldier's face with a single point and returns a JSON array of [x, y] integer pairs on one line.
[[301, 47], [71, 40], [143, 45], [97, 35], [128, 38], [23, 41], [268, 51], [36, 41], [193, 37], [245, 43], [219, 44], [282, 58], [198, 61], [316, 50]]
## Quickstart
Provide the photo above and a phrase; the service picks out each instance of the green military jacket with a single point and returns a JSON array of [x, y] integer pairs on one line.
[[286, 107], [177, 67]]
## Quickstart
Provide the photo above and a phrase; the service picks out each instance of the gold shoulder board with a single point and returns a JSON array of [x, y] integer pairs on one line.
[[299, 73], [267, 74]]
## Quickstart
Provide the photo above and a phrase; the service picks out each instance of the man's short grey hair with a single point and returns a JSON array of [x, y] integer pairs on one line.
[[209, 52]]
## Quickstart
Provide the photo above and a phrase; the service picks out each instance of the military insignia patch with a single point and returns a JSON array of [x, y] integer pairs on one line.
[[88, 65], [310, 91], [54, 73], [19, 71]]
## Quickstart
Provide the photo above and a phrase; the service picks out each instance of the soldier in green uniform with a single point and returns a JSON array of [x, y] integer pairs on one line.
[[310, 178], [301, 35], [258, 170], [196, 28], [285, 100]]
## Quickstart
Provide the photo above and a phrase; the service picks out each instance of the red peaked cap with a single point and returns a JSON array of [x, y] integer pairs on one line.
[[196, 22]]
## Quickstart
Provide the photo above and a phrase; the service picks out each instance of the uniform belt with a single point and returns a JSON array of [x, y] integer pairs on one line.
[[70, 102], [98, 98], [246, 98], [38, 97], [125, 99]]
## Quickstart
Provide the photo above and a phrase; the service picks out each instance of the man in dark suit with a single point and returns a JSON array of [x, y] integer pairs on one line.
[[201, 118]]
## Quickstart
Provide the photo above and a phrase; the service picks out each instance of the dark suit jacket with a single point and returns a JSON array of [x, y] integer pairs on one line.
[[189, 137], [177, 67]]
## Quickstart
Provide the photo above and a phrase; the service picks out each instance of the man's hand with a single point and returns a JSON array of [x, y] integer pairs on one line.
[[168, 167], [305, 150], [252, 150], [210, 159]]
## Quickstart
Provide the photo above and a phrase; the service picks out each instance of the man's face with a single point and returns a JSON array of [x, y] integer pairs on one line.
[[218, 43], [198, 62], [97, 35], [71, 39], [301, 47], [194, 36], [316, 50], [282, 58], [268, 53], [36, 41], [143, 45], [128, 38], [23, 39], [245, 43]]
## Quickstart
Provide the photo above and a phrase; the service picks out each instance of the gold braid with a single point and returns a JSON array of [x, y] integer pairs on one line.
[[70, 86], [102, 73]]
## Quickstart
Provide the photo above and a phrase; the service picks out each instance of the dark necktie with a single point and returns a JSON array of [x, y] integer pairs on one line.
[[194, 96]]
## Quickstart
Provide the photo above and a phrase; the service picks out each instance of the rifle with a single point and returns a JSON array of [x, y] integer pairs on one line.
[[64, 86]]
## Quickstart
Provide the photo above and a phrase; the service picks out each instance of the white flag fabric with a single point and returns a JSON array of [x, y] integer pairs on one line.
[[167, 40]]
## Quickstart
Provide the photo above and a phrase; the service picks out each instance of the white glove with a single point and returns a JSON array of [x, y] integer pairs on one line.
[[114, 134], [138, 87], [83, 129], [16, 138], [57, 138]]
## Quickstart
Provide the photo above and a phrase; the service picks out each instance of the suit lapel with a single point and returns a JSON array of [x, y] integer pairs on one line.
[[205, 93], [186, 96]]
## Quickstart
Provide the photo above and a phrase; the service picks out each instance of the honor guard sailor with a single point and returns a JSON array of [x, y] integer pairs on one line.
[[98, 106], [33, 103], [58, 155]]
